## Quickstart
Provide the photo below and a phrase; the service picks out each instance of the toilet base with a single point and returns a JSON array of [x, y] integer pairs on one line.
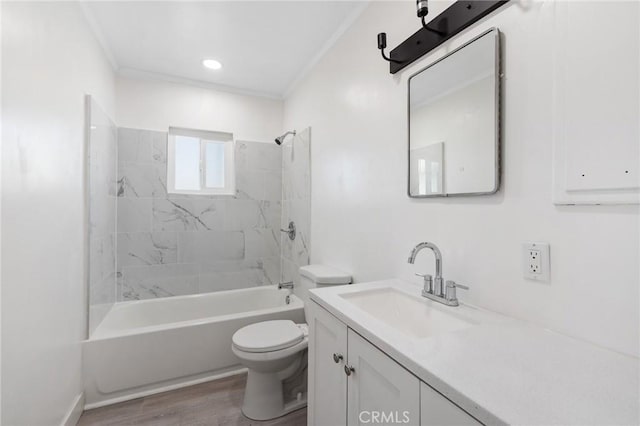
[[263, 399], [288, 408]]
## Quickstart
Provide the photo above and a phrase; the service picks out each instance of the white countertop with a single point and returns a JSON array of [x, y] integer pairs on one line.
[[504, 370]]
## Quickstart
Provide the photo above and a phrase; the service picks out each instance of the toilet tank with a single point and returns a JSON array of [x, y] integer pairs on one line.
[[318, 276]]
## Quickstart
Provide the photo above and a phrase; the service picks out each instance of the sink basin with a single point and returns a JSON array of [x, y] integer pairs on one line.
[[413, 316]]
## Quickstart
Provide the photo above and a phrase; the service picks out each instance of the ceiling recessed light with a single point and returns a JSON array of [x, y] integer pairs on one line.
[[212, 64]]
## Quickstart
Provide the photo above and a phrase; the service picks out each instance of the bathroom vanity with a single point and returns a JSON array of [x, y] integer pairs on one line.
[[381, 385], [381, 353]]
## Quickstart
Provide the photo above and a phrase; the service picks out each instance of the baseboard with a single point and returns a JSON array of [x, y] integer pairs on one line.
[[75, 411], [165, 388]]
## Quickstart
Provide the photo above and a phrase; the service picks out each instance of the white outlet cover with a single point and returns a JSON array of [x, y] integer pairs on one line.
[[542, 262]]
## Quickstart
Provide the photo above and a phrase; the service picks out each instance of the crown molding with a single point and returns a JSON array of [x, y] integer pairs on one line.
[[154, 76], [331, 41], [127, 72], [99, 35]]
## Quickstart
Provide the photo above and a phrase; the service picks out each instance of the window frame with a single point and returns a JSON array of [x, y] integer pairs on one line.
[[204, 137]]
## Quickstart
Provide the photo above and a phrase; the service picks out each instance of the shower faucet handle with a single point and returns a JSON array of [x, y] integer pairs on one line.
[[290, 231]]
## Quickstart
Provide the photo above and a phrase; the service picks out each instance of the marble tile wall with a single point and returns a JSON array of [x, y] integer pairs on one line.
[[102, 146], [175, 244], [296, 203]]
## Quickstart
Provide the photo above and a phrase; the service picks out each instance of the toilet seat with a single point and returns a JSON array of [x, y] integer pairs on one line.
[[268, 336]]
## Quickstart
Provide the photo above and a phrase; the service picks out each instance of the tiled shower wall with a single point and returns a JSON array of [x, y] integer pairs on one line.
[[174, 244], [101, 148], [296, 202]]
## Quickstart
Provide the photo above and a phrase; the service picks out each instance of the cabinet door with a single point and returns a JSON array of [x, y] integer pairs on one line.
[[327, 402], [436, 410], [379, 390]]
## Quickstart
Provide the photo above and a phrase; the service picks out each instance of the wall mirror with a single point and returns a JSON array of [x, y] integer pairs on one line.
[[454, 133]]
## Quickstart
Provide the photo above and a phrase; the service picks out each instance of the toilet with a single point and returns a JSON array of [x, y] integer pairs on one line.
[[276, 351]]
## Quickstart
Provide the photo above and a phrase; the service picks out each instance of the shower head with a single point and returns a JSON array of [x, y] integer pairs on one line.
[[280, 139]]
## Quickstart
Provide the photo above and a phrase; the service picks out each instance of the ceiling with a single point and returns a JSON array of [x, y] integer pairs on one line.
[[264, 46]]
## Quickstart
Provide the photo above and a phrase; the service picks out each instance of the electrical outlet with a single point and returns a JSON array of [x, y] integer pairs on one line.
[[535, 261]]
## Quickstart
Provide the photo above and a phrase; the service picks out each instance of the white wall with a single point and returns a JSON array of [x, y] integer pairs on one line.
[[49, 61], [157, 105], [363, 222]]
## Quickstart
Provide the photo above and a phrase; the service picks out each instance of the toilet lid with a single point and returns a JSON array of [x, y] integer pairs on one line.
[[267, 336]]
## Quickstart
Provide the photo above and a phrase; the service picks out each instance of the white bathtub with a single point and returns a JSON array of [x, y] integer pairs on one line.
[[151, 346]]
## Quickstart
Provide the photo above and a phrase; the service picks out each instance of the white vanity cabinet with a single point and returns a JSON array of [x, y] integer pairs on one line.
[[379, 390], [351, 382], [327, 399], [436, 410]]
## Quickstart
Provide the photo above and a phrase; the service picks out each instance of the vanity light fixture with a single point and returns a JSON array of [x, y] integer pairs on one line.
[[457, 17], [422, 7], [382, 43], [422, 11], [211, 64]]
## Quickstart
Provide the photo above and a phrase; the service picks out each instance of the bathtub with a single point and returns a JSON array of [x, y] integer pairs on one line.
[[152, 346]]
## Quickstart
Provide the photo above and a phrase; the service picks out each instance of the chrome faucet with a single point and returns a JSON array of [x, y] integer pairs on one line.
[[430, 285], [433, 288], [288, 285]]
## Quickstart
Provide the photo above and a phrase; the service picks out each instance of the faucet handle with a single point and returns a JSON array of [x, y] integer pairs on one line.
[[450, 291], [428, 282], [451, 283]]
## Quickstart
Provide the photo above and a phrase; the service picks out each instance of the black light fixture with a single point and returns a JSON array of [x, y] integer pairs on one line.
[[422, 10], [382, 43], [460, 15]]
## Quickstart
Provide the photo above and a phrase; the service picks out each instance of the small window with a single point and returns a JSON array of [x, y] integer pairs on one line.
[[200, 162]]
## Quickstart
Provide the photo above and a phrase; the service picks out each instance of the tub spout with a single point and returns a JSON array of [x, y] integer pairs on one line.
[[288, 285]]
